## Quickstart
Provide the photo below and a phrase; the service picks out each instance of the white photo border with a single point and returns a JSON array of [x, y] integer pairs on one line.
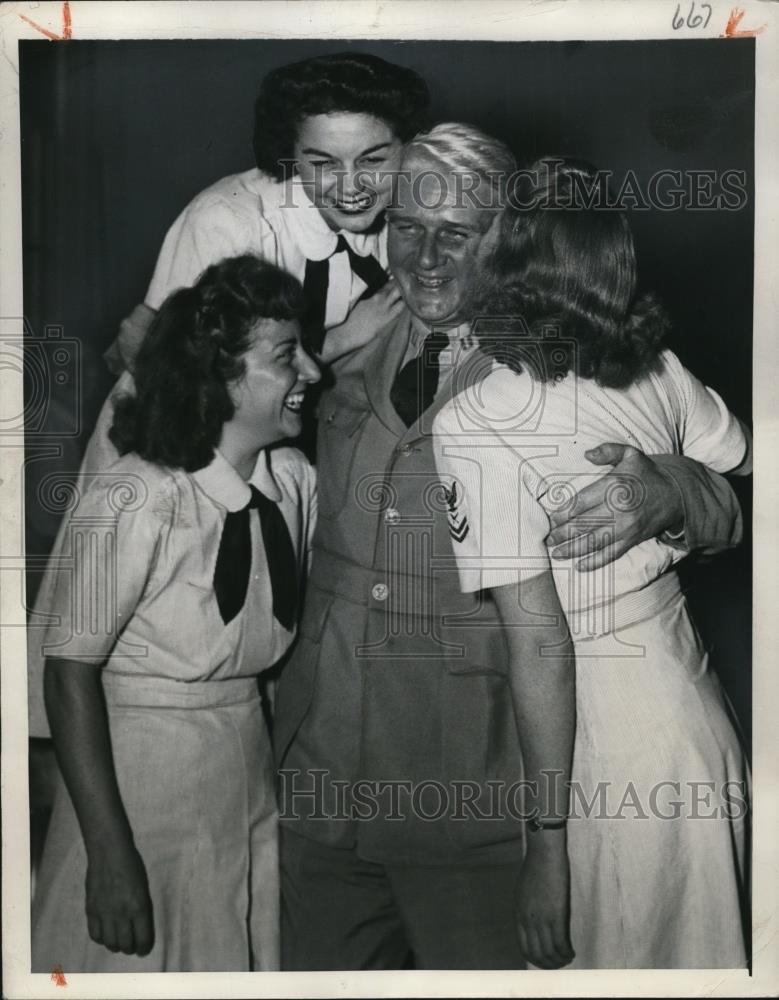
[[472, 20]]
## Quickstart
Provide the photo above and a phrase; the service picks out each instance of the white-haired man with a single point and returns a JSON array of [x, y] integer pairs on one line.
[[401, 816]]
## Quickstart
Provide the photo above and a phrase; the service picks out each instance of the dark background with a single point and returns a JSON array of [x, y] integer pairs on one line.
[[117, 137]]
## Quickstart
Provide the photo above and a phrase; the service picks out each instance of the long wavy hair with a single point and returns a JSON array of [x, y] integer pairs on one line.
[[192, 354], [560, 294], [345, 81]]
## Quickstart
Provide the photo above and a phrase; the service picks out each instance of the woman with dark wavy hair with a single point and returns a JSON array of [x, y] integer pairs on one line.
[[620, 721], [342, 118], [161, 854], [328, 134], [342, 83]]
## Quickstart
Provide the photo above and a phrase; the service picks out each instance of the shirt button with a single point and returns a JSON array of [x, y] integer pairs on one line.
[[392, 516], [380, 592], [406, 451]]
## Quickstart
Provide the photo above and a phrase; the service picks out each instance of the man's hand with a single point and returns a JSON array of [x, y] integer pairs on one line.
[[631, 503], [363, 322]]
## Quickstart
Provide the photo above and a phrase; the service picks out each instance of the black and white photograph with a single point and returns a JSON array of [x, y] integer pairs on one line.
[[387, 462]]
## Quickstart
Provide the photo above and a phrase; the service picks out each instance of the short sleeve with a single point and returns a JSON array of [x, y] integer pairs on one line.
[[710, 433], [207, 231], [106, 555], [497, 525]]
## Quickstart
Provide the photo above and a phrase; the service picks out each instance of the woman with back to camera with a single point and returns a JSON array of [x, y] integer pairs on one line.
[[643, 873], [161, 855]]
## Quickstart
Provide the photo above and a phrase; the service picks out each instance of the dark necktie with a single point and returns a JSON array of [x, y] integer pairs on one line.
[[233, 562], [316, 282], [415, 385]]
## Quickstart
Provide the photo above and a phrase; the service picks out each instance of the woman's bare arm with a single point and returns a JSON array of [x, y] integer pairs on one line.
[[118, 904], [542, 677]]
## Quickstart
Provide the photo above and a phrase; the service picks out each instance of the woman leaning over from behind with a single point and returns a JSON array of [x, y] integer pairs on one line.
[[328, 137], [161, 854], [612, 655]]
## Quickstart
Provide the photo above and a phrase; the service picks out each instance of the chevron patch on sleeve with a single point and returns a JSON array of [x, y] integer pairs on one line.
[[458, 520]]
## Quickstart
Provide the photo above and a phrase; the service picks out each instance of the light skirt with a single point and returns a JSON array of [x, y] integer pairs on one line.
[[195, 772], [659, 869]]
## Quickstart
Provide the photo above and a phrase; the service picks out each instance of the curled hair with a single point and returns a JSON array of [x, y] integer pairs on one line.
[[192, 354], [344, 82], [568, 268]]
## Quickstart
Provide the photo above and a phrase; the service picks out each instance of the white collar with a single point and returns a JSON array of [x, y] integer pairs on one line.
[[220, 481], [316, 240]]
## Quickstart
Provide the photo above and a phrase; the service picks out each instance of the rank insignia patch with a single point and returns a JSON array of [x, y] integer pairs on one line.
[[458, 521]]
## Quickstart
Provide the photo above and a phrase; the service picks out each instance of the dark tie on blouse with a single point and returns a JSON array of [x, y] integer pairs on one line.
[[316, 282], [416, 384], [233, 562]]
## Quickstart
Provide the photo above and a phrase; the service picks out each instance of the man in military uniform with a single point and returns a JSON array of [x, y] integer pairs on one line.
[[394, 728]]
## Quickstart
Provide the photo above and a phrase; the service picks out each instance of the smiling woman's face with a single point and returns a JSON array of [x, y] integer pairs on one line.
[[269, 397], [346, 162]]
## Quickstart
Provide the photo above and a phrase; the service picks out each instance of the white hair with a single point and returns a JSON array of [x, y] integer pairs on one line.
[[462, 147]]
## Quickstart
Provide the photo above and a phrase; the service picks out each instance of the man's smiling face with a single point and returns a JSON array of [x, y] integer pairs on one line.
[[439, 238]]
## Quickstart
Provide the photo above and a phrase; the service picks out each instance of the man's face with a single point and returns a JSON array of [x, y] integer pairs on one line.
[[439, 238]]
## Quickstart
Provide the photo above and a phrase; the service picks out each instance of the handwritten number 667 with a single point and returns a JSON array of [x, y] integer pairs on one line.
[[692, 20]]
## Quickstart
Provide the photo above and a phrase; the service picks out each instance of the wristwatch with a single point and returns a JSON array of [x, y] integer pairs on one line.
[[535, 825]]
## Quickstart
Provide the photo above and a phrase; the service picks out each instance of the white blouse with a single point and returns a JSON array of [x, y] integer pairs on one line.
[[253, 213], [133, 583], [511, 451]]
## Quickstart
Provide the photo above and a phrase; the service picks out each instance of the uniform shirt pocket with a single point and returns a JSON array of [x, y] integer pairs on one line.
[[341, 423]]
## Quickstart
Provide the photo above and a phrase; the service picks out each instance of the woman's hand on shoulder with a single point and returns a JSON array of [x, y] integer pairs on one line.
[[118, 904], [362, 324]]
